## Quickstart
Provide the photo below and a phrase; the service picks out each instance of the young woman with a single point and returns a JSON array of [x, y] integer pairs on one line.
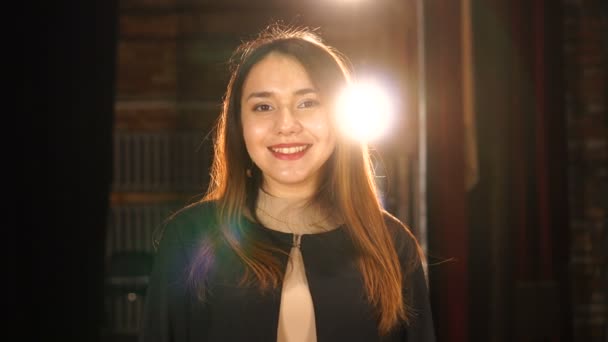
[[290, 243]]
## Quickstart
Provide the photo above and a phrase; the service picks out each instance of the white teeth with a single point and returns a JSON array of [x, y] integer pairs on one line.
[[288, 150]]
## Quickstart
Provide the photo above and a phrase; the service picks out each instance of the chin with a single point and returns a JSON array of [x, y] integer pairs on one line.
[[294, 180]]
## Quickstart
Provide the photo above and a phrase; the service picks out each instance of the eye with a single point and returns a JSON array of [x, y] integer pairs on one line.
[[308, 103], [262, 107]]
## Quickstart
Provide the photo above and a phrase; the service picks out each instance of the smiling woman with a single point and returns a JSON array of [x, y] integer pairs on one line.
[[290, 243]]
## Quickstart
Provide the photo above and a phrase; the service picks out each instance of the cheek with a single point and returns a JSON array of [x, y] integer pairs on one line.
[[254, 134], [324, 130], [330, 134]]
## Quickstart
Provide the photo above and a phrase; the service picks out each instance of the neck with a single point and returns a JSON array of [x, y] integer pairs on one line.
[[292, 192], [293, 215]]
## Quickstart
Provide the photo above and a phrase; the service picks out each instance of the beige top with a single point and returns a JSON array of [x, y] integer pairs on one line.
[[296, 313]]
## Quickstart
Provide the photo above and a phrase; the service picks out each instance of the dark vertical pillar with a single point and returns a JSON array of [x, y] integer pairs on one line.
[[553, 157], [487, 201], [538, 93]]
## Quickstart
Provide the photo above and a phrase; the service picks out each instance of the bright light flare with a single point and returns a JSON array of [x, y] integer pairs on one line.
[[364, 111]]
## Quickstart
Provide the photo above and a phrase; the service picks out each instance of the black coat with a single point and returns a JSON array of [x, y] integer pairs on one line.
[[232, 313]]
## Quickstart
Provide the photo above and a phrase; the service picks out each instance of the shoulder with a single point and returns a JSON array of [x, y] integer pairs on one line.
[[399, 231], [189, 223], [193, 214]]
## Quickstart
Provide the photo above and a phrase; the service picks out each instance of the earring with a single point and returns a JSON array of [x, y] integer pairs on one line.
[[249, 170]]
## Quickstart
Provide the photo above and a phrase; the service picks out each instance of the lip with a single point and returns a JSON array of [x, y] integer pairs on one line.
[[289, 151]]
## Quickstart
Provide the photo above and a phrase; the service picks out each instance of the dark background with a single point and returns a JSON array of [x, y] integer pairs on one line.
[[67, 54]]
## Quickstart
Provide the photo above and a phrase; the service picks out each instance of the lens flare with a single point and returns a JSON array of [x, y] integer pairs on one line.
[[364, 111]]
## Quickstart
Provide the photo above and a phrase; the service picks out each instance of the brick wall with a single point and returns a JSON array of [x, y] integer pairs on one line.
[[586, 75]]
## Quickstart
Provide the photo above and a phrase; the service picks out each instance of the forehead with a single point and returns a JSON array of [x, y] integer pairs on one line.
[[277, 70]]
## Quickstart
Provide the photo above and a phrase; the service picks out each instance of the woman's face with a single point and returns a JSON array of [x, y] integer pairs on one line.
[[286, 126]]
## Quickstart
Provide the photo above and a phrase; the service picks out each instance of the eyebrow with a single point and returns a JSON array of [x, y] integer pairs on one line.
[[265, 94]]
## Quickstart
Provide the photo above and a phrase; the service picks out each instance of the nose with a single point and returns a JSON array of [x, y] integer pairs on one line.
[[287, 123]]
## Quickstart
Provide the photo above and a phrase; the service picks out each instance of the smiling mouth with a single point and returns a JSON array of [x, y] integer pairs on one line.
[[289, 150]]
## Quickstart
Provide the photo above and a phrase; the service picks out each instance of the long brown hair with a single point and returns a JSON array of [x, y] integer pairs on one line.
[[235, 193]]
